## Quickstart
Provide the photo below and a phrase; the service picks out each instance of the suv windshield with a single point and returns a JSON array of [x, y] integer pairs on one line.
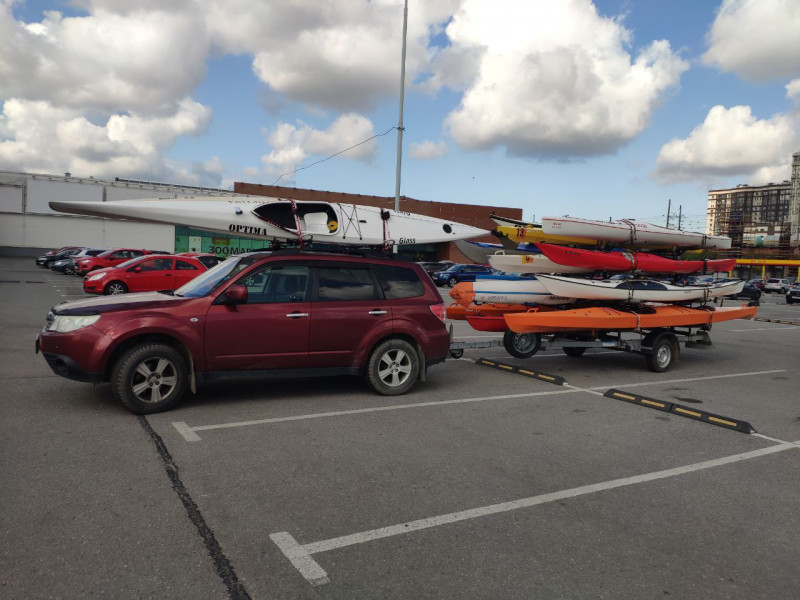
[[216, 276]]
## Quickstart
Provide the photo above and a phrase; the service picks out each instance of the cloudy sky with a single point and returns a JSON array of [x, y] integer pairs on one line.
[[598, 109]]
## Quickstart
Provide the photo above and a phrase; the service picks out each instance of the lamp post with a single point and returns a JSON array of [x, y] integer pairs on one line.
[[400, 119]]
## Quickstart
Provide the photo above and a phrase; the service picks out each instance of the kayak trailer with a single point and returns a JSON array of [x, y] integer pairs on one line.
[[660, 347]]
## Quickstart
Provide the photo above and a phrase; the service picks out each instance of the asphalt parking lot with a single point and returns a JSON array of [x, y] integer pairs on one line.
[[478, 484]]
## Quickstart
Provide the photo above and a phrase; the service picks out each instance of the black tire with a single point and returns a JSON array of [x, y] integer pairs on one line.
[[665, 353], [393, 367], [457, 353], [522, 345], [574, 351], [149, 378], [789, 300], [114, 288], [452, 282], [68, 270]]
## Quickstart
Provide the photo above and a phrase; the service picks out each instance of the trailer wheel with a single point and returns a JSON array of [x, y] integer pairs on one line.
[[522, 345], [574, 351], [457, 353], [665, 352]]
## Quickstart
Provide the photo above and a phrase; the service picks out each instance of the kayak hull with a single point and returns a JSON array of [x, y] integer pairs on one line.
[[630, 261], [635, 290], [505, 291], [633, 232], [278, 219], [532, 263], [610, 319]]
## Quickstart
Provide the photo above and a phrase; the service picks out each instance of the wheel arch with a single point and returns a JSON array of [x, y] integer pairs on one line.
[[150, 338]]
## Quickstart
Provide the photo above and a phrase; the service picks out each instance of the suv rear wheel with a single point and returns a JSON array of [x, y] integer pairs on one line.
[[393, 367], [149, 378]]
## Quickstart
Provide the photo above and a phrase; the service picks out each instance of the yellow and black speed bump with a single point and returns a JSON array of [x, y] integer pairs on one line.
[[556, 379], [682, 411], [781, 321]]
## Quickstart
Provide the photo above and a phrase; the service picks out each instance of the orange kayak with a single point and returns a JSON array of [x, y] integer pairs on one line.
[[605, 318], [456, 312]]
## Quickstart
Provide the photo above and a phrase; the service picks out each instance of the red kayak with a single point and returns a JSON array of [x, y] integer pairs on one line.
[[631, 261]]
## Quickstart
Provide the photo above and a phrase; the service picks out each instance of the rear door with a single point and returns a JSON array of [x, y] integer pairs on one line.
[[348, 307], [271, 331]]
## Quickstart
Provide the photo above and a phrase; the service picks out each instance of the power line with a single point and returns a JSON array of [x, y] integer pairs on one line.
[[336, 154]]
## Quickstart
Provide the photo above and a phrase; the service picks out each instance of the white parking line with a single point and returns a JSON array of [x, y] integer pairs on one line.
[[189, 432], [300, 554], [795, 327]]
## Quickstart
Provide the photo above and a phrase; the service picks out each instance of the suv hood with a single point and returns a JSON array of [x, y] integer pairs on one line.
[[106, 304]]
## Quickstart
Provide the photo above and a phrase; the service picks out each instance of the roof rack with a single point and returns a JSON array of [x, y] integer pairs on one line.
[[324, 248]]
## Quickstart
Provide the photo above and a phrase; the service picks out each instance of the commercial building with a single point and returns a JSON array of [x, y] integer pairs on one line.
[[28, 224], [762, 222]]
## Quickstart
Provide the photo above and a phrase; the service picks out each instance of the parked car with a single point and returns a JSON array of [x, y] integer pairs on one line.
[[793, 295], [758, 282], [269, 314], [777, 285], [109, 258], [209, 260], [67, 264], [458, 273], [433, 267], [149, 273], [46, 259], [750, 291]]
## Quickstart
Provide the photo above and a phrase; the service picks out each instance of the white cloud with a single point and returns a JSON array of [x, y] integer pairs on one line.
[[140, 61], [732, 142], [40, 137], [292, 144], [428, 150], [758, 40], [553, 79]]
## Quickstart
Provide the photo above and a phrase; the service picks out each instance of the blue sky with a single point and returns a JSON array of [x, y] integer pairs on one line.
[[598, 110]]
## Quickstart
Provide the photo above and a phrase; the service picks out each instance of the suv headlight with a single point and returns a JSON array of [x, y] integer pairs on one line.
[[65, 323]]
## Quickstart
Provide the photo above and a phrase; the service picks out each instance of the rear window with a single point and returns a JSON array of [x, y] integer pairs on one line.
[[345, 283], [399, 282], [773, 280]]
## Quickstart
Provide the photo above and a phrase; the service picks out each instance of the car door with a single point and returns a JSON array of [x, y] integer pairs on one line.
[[183, 272], [270, 331], [347, 307], [150, 274]]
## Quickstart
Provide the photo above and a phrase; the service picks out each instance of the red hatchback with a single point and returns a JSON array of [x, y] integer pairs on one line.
[[149, 273], [267, 314], [110, 258]]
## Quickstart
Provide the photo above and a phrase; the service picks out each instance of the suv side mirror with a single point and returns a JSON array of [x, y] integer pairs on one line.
[[236, 294]]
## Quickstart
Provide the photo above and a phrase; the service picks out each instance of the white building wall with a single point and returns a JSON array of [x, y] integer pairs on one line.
[[27, 221]]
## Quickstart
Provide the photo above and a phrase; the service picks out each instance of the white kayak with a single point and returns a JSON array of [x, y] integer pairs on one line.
[[513, 290], [278, 219], [530, 263], [635, 290], [632, 232]]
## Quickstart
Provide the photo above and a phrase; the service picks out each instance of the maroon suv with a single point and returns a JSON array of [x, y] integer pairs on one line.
[[280, 314]]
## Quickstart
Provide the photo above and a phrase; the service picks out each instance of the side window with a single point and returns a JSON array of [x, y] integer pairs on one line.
[[134, 253], [184, 266], [118, 255], [157, 264], [399, 282], [277, 284], [346, 283]]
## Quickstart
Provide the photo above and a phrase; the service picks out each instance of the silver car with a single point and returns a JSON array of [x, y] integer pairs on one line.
[[777, 285]]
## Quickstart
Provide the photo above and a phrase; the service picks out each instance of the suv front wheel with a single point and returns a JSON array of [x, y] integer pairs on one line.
[[393, 367], [149, 378]]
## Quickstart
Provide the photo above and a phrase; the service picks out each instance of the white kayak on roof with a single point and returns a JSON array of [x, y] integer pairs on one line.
[[632, 232], [278, 219], [635, 290]]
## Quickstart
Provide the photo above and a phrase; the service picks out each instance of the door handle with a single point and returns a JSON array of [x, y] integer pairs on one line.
[[377, 312], [296, 315]]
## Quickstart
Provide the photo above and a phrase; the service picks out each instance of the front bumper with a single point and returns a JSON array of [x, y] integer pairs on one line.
[[78, 355], [66, 367]]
